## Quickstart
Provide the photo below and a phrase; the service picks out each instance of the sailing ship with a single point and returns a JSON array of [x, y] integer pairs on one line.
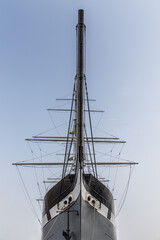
[[79, 206]]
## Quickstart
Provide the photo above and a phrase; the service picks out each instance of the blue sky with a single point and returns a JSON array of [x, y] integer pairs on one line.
[[37, 65]]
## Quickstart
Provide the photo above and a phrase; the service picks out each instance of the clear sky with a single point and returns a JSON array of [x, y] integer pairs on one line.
[[37, 65]]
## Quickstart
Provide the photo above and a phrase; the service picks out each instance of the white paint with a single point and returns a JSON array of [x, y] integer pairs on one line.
[[58, 208], [101, 208]]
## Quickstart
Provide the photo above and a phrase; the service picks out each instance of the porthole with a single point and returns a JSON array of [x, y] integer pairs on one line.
[[65, 202]]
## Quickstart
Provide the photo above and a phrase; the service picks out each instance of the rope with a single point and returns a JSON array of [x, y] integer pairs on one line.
[[109, 170], [41, 133], [96, 127], [28, 197], [105, 132], [69, 128], [89, 151], [40, 207], [35, 171], [42, 167], [68, 153], [53, 123], [125, 192], [90, 123], [117, 168], [46, 155], [115, 176]]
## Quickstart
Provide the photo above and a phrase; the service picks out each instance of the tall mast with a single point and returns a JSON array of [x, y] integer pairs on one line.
[[80, 76]]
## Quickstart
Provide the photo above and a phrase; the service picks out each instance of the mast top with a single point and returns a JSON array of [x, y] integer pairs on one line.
[[81, 16]]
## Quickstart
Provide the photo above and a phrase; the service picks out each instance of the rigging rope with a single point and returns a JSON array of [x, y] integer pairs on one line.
[[91, 131], [96, 127], [125, 192], [69, 129], [46, 155], [89, 151], [115, 175], [42, 167], [35, 171], [41, 133], [28, 196], [117, 168], [110, 158], [105, 132], [39, 205], [53, 123]]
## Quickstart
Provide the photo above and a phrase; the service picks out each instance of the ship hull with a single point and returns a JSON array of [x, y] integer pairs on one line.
[[85, 223], [83, 219]]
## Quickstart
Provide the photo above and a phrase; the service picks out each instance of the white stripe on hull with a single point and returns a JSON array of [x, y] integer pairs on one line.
[[92, 201]]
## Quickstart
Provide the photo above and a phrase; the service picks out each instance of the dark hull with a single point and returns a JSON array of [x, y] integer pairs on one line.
[[85, 221]]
